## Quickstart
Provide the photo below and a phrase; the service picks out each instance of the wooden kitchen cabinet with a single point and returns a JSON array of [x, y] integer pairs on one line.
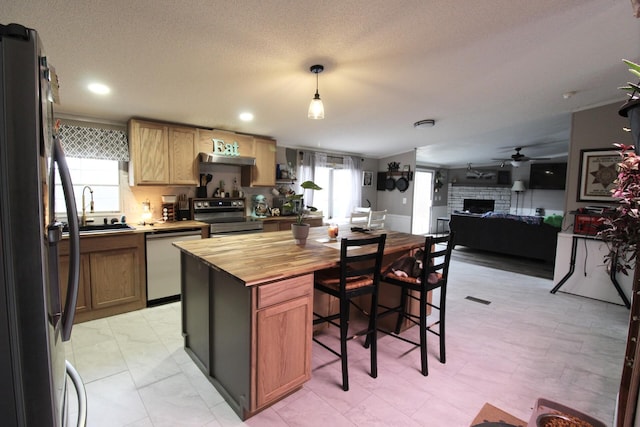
[[112, 275], [263, 174], [162, 154], [283, 328], [83, 303], [183, 157], [270, 226], [206, 137], [148, 153], [282, 223]]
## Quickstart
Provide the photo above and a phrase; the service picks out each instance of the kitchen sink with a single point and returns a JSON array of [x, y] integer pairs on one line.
[[101, 228]]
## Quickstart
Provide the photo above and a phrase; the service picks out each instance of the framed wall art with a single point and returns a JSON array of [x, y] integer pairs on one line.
[[367, 178], [598, 172]]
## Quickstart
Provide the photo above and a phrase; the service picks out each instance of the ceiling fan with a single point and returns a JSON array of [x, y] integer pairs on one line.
[[479, 174], [517, 158]]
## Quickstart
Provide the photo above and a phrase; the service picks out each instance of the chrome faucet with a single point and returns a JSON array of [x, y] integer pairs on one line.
[[83, 221]]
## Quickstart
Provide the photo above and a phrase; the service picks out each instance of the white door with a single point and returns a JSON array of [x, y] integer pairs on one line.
[[422, 202]]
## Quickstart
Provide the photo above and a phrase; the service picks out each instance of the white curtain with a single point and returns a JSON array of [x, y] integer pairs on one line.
[[354, 166], [342, 187], [310, 162]]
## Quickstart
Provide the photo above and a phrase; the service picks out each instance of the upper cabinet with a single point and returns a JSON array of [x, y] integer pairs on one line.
[[148, 153], [183, 162], [162, 154], [263, 174], [207, 136], [166, 154]]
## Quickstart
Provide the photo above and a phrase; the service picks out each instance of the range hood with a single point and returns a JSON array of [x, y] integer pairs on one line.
[[227, 160]]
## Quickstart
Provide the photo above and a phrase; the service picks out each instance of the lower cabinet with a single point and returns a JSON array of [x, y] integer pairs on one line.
[[252, 342], [284, 223], [283, 330], [112, 275]]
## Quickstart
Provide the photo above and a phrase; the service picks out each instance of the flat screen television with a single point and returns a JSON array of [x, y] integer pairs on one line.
[[547, 176]]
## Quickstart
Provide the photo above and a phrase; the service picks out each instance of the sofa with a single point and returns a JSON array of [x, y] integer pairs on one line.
[[525, 236]]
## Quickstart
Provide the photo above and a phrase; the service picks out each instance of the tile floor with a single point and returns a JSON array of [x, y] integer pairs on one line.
[[525, 345]]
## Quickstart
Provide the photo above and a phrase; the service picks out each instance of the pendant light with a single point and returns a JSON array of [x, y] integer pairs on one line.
[[316, 109]]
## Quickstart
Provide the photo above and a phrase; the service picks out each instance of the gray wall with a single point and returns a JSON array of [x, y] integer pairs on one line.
[[596, 128], [392, 201], [552, 201], [370, 193]]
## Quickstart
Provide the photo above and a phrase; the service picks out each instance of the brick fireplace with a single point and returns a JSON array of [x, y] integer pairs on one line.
[[501, 197]]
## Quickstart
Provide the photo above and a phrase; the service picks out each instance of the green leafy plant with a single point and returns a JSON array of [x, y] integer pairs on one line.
[[300, 214], [632, 88]]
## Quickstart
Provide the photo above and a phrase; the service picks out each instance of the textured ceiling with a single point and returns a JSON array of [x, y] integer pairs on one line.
[[491, 73]]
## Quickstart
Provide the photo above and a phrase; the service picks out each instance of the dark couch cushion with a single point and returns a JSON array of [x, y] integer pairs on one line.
[[505, 235]]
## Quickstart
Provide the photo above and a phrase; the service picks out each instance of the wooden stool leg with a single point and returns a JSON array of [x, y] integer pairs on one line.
[[344, 328], [423, 332], [373, 333], [441, 326], [403, 304]]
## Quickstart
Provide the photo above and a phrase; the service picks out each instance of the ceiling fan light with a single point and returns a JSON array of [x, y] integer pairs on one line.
[[515, 164]]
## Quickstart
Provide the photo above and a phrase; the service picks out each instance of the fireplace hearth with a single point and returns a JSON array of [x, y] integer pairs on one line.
[[478, 206]]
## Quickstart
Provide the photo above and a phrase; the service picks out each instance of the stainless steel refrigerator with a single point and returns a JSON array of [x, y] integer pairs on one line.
[[34, 319]]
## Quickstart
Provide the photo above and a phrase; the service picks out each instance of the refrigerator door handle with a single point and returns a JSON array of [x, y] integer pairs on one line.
[[81, 392], [69, 310]]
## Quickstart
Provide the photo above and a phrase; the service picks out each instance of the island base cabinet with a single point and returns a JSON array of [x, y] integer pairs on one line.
[[283, 331], [196, 293], [252, 342]]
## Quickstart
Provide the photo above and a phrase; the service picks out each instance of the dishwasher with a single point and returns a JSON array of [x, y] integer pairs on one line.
[[163, 264]]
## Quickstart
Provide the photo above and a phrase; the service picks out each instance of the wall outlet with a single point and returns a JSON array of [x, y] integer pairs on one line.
[[404, 200]]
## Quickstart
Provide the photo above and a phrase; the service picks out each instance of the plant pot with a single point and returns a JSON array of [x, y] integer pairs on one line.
[[631, 109], [300, 233]]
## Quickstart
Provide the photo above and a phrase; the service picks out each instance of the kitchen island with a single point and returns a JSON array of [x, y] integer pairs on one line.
[[247, 309]]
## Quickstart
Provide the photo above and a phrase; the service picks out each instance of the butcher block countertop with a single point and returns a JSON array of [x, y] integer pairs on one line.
[[286, 218], [147, 228], [265, 257], [169, 226]]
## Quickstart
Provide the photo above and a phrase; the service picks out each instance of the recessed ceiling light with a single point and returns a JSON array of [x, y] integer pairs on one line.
[[99, 88], [424, 124], [246, 117]]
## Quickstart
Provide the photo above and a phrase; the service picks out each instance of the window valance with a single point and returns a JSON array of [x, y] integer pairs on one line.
[[94, 143]]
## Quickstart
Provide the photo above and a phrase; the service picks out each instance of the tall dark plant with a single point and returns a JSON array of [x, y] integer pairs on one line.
[[621, 231]]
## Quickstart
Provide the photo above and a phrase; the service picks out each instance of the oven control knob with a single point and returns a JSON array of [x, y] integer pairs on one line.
[[240, 203], [198, 204], [205, 204]]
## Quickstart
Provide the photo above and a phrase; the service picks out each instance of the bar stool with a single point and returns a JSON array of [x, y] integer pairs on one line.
[[434, 275], [376, 219], [359, 274]]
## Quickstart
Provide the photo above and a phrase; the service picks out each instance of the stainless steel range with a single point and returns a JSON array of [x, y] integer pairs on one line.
[[224, 215]]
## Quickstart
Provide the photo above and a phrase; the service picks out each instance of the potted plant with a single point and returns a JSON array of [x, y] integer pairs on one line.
[[299, 229], [631, 108], [621, 232]]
